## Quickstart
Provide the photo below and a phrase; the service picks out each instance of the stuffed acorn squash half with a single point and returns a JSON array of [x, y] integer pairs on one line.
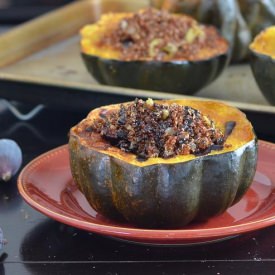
[[163, 164], [262, 62], [153, 50]]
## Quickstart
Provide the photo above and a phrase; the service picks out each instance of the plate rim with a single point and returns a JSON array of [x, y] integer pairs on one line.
[[133, 233]]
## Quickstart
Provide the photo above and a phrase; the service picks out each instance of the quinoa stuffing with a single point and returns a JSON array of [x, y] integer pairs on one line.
[[153, 34], [149, 129], [159, 35]]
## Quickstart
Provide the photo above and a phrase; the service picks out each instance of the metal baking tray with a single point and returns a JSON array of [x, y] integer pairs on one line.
[[40, 63]]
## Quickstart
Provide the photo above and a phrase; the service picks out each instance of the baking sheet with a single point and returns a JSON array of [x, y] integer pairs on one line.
[[46, 66]]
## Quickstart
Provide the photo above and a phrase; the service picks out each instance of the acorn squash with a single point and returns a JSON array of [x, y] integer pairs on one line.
[[115, 54], [238, 20], [262, 62], [164, 192]]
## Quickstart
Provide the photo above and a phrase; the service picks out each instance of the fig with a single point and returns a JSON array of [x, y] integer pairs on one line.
[[10, 158]]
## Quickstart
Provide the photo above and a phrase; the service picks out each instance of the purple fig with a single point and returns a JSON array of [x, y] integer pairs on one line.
[[10, 158]]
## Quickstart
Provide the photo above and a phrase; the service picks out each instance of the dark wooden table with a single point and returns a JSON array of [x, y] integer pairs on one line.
[[39, 245]]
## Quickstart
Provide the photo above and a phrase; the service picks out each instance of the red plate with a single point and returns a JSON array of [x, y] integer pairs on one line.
[[46, 184]]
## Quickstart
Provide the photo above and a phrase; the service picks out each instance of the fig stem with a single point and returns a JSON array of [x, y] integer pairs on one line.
[[6, 176]]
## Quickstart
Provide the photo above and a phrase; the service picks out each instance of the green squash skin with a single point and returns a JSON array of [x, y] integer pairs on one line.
[[263, 68], [93, 177], [163, 195], [184, 77]]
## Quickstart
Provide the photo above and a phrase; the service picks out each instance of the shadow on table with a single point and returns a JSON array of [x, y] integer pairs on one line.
[[9, 197], [2, 269]]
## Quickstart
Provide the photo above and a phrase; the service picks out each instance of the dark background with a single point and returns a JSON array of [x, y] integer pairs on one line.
[[18, 11]]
